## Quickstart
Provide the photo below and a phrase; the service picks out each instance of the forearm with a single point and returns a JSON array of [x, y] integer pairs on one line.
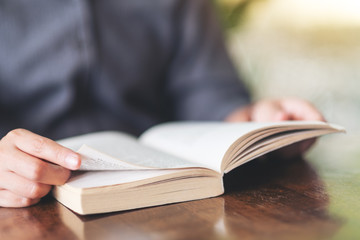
[[202, 82]]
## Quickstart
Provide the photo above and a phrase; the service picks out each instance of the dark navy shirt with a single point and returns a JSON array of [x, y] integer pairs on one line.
[[75, 66]]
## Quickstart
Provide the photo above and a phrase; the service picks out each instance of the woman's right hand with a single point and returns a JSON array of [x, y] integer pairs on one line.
[[29, 165]]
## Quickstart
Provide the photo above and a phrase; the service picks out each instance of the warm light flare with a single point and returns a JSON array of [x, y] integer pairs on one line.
[[310, 13]]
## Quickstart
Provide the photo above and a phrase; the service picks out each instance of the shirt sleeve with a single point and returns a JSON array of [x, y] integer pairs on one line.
[[202, 82]]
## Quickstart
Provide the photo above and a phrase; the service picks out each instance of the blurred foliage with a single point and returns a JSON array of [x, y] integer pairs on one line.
[[233, 12], [308, 49]]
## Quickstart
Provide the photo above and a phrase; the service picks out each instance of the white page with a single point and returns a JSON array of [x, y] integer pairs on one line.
[[202, 142], [119, 151], [106, 178]]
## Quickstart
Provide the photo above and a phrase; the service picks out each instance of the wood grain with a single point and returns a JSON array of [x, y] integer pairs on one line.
[[265, 199]]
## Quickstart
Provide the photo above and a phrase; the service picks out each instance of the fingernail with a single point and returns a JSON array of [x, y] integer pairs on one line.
[[25, 201], [281, 116], [72, 161]]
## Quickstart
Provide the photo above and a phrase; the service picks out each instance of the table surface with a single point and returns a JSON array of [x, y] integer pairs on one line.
[[264, 199]]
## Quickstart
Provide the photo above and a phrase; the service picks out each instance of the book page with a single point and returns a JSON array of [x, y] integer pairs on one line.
[[119, 151], [91, 179], [204, 142]]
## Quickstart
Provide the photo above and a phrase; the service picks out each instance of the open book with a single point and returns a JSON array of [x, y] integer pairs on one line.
[[171, 162]]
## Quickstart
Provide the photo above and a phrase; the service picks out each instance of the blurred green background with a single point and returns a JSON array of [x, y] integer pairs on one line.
[[309, 49]]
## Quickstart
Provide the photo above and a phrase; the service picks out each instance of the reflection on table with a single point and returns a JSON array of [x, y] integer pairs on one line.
[[269, 199]]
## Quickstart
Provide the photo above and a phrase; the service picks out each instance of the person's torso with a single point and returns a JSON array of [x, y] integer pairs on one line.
[[73, 66]]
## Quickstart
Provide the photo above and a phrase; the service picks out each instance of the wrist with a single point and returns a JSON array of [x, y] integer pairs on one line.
[[242, 114]]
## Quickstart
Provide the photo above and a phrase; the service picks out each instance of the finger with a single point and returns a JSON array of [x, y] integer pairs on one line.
[[22, 186], [44, 148], [306, 145], [301, 110], [269, 111], [287, 152], [293, 150], [35, 169], [9, 199]]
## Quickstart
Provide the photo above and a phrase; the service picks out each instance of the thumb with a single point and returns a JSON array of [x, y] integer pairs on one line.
[[269, 111]]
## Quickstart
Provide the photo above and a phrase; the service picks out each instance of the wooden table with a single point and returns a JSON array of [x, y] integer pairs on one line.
[[264, 199]]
